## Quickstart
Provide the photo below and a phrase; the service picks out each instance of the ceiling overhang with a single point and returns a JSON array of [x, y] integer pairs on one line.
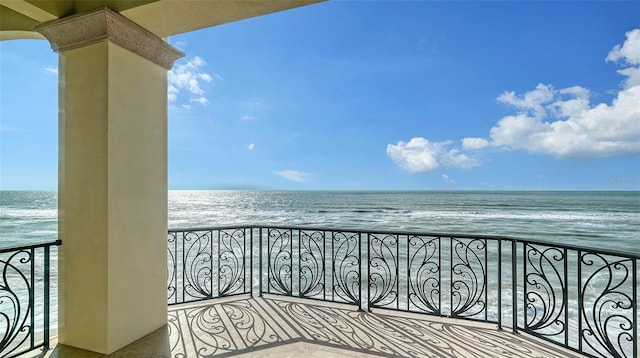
[[18, 18]]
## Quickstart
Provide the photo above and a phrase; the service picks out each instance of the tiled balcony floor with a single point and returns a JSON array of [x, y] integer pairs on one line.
[[282, 327], [248, 326]]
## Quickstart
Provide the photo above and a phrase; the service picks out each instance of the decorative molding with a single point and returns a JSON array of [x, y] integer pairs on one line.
[[102, 24]]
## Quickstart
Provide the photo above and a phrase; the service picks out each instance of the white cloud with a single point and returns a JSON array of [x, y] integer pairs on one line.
[[474, 143], [633, 77], [248, 118], [189, 78], [564, 123], [531, 102], [293, 175], [420, 155], [51, 69], [558, 122], [200, 100], [448, 179], [629, 52], [251, 146]]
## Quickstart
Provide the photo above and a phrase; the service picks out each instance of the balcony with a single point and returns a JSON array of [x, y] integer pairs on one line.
[[264, 290]]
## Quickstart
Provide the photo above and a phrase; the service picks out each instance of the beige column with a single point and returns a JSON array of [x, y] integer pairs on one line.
[[113, 179]]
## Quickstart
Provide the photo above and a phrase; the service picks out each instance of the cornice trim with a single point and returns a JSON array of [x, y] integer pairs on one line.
[[104, 24]]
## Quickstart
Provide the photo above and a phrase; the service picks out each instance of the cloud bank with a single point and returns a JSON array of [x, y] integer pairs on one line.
[[561, 122]]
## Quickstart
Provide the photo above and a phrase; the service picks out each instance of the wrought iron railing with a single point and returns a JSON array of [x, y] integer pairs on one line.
[[209, 263], [25, 304], [583, 299]]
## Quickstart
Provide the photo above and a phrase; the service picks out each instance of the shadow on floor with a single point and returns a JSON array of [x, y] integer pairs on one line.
[[241, 326]]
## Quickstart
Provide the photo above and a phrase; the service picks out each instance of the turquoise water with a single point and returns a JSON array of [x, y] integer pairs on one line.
[[596, 219]]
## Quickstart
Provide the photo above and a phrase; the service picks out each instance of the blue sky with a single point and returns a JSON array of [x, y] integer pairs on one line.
[[377, 95]]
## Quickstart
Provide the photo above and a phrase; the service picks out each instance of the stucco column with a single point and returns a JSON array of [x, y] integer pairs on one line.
[[112, 179]]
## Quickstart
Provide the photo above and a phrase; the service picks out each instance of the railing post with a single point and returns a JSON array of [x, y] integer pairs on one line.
[[566, 297], [260, 262], [218, 263], [408, 274], [360, 270], [440, 274], [47, 276], [398, 271], [514, 284], [524, 285], [580, 293], [298, 261], [184, 268], [324, 263], [291, 260], [635, 306], [368, 272], [486, 279], [32, 293], [499, 280], [333, 288], [250, 258], [450, 268]]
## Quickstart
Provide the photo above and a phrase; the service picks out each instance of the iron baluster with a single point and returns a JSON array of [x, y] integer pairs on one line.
[[360, 271], [47, 298], [486, 282], [260, 262], [32, 294], [580, 303], [514, 285], [565, 297], [219, 275], [499, 281], [635, 306]]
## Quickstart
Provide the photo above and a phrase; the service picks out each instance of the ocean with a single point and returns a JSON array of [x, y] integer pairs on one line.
[[596, 219]]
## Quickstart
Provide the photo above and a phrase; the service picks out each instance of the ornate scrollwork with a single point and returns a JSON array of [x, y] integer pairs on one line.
[[280, 261], [424, 274], [346, 266], [312, 255], [468, 283], [197, 265], [232, 262], [545, 299], [249, 323], [607, 305], [383, 266], [208, 332], [16, 295], [174, 332]]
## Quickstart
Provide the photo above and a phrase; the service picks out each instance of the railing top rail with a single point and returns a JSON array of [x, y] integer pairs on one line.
[[225, 227], [30, 246], [594, 250]]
